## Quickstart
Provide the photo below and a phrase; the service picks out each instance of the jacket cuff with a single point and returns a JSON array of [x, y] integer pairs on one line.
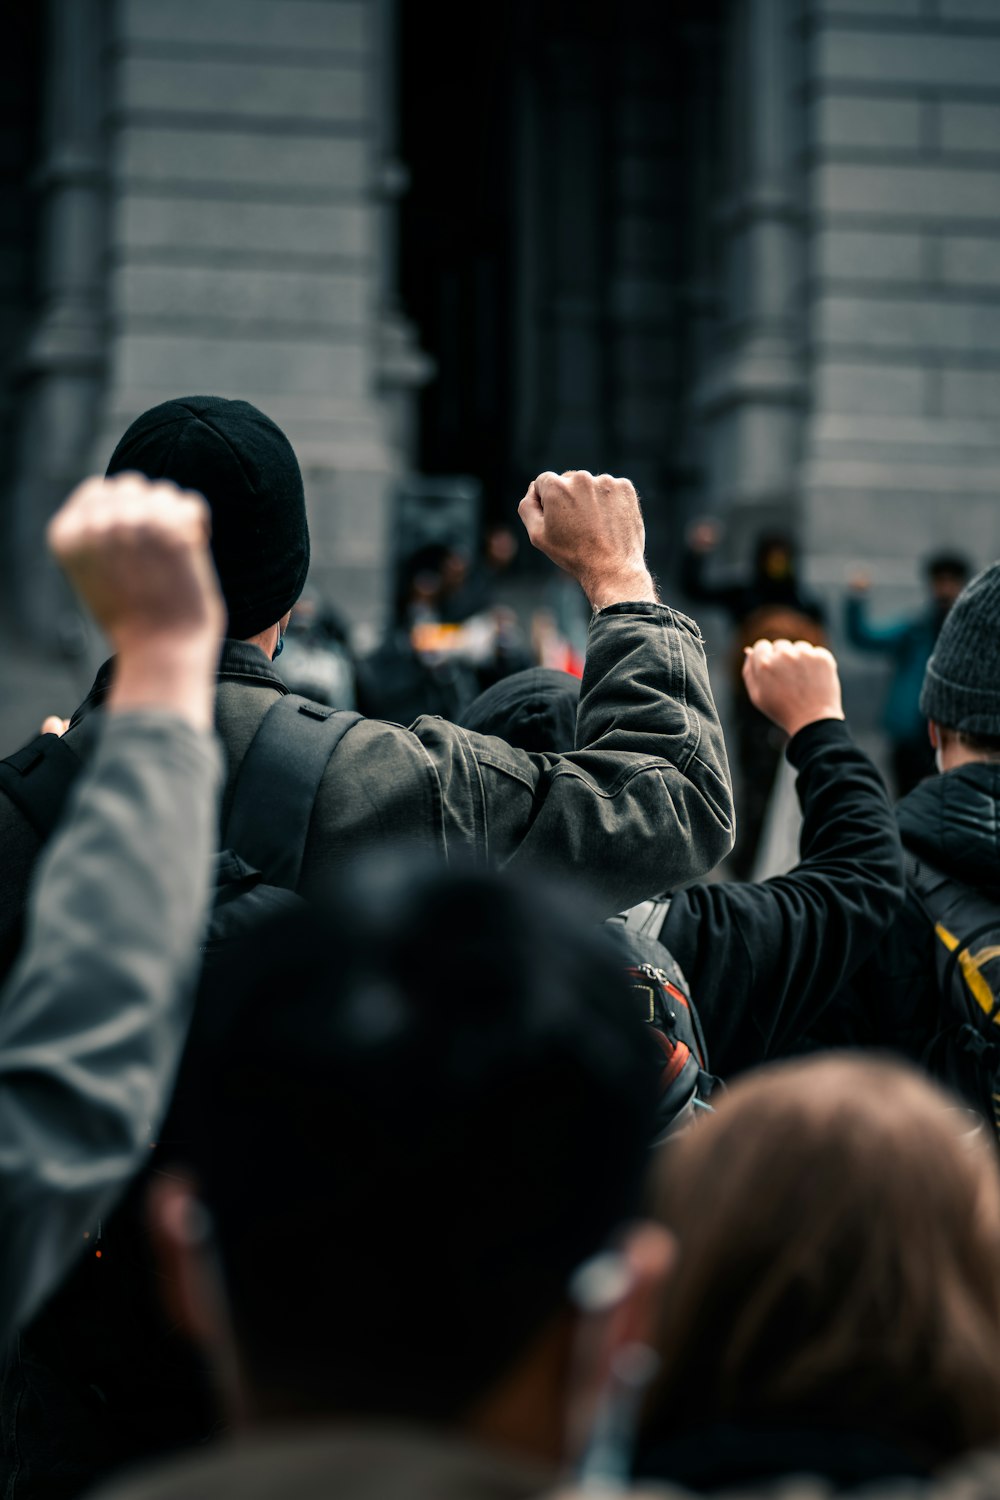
[[662, 612], [814, 736]]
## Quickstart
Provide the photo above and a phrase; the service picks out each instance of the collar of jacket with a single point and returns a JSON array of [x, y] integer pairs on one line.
[[238, 662], [952, 821]]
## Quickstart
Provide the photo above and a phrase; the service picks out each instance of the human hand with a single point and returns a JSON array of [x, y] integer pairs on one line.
[[590, 526], [53, 724], [138, 555], [704, 536], [793, 683]]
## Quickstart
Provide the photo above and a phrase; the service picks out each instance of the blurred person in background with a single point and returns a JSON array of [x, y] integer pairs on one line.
[[769, 604], [909, 643], [831, 1321], [317, 659], [405, 1286]]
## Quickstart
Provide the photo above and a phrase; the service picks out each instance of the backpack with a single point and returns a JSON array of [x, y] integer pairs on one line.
[[965, 1053], [664, 996], [101, 1365]]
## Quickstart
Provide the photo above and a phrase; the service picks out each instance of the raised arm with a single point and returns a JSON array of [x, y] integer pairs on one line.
[[93, 1018], [763, 960], [644, 802], [858, 627]]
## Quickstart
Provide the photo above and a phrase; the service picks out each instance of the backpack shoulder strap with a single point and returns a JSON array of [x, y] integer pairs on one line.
[[38, 779], [646, 918], [277, 783]]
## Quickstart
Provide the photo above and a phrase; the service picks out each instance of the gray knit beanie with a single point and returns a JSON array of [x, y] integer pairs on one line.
[[962, 682]]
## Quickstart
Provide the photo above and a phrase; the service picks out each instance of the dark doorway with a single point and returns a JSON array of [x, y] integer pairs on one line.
[[557, 243]]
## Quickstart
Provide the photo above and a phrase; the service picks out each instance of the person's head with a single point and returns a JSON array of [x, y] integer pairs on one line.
[[774, 557], [431, 1103], [532, 710], [947, 574], [247, 471], [838, 1262], [960, 697]]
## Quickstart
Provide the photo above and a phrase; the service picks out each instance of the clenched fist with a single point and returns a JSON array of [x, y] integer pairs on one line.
[[138, 555], [591, 527], [793, 683]]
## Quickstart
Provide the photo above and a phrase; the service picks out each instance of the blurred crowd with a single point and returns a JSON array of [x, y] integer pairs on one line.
[[394, 1101]]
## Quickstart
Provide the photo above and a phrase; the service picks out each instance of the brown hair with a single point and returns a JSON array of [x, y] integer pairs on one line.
[[839, 1262]]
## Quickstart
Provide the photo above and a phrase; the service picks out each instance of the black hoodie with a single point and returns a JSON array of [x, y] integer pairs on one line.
[[952, 822], [762, 960]]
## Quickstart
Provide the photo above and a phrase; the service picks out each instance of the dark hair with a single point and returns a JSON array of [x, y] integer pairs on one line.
[[947, 565], [986, 745], [432, 1104], [839, 1262]]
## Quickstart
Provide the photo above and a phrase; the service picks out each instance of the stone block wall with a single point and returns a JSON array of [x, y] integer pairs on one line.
[[246, 240], [901, 294]]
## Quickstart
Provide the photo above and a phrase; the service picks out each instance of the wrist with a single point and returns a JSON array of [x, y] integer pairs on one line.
[[631, 586], [174, 674], [795, 725]]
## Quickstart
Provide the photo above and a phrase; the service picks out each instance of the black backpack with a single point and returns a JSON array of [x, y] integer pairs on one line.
[[658, 982], [99, 1379], [965, 1052]]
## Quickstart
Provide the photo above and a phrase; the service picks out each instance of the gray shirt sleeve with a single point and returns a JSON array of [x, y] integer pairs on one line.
[[93, 1018]]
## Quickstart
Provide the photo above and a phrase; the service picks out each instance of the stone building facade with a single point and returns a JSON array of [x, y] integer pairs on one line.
[[746, 250]]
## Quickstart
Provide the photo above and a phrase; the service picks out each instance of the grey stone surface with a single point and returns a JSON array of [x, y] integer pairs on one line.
[[867, 10], [971, 393], [973, 128], [231, 161], [301, 300], [868, 255], [934, 194], [971, 261], [839, 386], [926, 324], [844, 120], [980, 12], [330, 25], [259, 90], [142, 222], [241, 366], [936, 59]]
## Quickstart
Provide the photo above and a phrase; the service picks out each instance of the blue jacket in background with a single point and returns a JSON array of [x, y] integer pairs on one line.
[[909, 642]]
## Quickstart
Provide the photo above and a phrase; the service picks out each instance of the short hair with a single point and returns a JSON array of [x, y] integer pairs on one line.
[[948, 565], [431, 1102], [985, 745], [839, 1268]]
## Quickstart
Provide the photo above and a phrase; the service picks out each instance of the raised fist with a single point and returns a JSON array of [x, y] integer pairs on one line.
[[137, 554], [590, 526], [793, 683]]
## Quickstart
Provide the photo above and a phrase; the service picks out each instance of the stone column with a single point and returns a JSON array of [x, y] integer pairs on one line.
[[61, 373], [752, 396]]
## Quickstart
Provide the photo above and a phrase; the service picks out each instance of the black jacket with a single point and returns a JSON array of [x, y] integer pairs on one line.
[[763, 960], [953, 823]]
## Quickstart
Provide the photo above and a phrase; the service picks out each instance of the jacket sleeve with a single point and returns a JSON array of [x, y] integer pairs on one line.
[[642, 804], [763, 960], [864, 636], [93, 1017]]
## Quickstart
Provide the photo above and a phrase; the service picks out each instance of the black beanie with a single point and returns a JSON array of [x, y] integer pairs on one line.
[[962, 682], [247, 471], [532, 710]]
